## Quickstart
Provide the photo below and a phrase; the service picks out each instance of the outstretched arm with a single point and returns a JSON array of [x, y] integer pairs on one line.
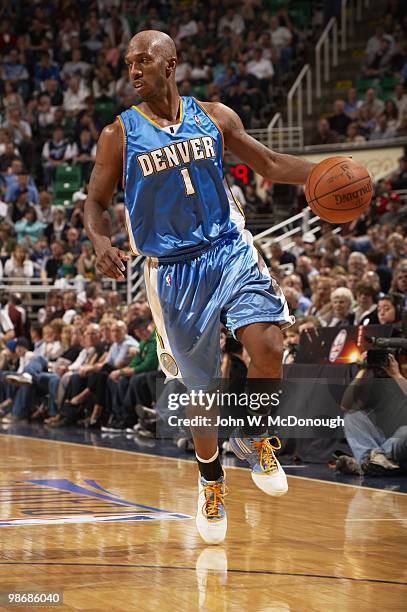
[[277, 167], [105, 176]]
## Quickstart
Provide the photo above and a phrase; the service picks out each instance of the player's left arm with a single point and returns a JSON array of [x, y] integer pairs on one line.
[[278, 167]]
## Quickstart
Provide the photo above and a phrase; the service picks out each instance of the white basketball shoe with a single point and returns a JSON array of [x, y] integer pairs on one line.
[[211, 519], [267, 473]]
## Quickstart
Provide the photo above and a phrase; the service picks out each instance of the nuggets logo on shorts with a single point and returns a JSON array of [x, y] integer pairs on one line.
[[168, 363]]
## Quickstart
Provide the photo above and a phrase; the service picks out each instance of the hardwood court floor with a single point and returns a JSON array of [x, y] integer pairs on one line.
[[322, 547]]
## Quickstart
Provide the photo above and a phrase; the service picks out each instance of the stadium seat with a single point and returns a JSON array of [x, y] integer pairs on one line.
[[68, 173], [363, 84], [64, 190], [388, 84]]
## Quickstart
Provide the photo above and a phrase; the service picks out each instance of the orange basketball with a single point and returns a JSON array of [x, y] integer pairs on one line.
[[339, 189]]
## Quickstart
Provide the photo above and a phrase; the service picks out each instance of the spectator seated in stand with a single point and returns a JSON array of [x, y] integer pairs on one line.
[[124, 384], [339, 121], [118, 357], [341, 307], [324, 134]]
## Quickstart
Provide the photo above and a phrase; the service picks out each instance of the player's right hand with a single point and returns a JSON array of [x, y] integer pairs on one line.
[[111, 263]]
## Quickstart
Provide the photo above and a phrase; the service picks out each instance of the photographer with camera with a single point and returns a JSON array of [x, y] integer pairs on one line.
[[375, 406]]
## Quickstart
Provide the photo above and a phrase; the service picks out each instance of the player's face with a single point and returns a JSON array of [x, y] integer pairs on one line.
[[147, 72]]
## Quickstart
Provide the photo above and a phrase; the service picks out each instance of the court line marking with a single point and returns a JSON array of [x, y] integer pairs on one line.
[[360, 520], [187, 568], [228, 467]]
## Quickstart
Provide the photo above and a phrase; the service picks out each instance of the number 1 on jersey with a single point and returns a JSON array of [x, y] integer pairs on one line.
[[189, 188]]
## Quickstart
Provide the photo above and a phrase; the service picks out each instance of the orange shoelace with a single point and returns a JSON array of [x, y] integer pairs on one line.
[[214, 494], [266, 448]]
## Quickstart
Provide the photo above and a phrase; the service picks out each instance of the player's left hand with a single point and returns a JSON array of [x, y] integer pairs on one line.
[[112, 263]]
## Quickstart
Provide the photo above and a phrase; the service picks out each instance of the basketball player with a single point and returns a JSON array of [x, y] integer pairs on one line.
[[202, 268]]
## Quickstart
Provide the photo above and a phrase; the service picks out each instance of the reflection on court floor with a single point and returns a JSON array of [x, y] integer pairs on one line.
[[59, 500]]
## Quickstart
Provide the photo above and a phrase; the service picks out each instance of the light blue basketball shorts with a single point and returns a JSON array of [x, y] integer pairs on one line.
[[191, 295]]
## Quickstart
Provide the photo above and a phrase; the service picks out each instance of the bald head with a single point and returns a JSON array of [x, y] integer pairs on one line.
[[152, 59], [153, 42]]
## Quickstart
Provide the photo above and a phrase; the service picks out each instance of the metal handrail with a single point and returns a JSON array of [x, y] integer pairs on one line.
[[369, 144], [25, 286], [297, 90], [304, 226], [276, 120], [325, 43], [315, 230], [34, 280], [285, 136], [274, 228]]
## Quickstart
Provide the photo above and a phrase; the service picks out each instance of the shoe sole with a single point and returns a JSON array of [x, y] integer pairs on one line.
[[377, 470], [272, 492], [213, 540], [238, 453], [145, 434]]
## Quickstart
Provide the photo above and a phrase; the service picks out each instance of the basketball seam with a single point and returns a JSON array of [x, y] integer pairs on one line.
[[326, 171], [337, 189], [316, 184]]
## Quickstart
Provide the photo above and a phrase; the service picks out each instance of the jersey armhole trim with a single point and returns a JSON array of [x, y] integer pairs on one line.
[[236, 201], [124, 147], [216, 124]]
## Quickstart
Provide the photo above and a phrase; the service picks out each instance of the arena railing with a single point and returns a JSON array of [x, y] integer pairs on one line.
[[351, 13], [35, 290], [283, 232], [396, 141], [276, 136], [18, 284], [295, 97], [328, 39]]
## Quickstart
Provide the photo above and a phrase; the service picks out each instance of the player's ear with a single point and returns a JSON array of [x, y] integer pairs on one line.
[[171, 65]]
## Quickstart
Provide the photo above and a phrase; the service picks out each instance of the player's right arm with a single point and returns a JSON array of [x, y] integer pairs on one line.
[[105, 176]]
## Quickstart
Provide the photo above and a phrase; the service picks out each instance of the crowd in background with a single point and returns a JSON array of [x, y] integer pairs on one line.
[[88, 358], [63, 77], [376, 109]]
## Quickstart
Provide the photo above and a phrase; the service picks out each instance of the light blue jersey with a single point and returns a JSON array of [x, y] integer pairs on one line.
[[177, 199], [202, 268]]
